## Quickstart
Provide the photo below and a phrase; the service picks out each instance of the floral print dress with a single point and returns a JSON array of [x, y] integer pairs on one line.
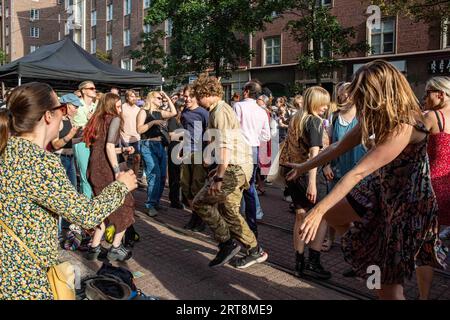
[[399, 227], [34, 190]]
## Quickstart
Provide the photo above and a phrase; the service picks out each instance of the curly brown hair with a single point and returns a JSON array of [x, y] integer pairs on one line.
[[206, 86]]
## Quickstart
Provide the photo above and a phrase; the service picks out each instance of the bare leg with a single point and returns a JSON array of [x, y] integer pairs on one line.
[[98, 235], [299, 245], [118, 238], [424, 279], [391, 292], [341, 216]]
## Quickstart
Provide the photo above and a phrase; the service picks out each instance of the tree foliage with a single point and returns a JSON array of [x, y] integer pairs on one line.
[[322, 36], [152, 56], [207, 34], [419, 10], [103, 56]]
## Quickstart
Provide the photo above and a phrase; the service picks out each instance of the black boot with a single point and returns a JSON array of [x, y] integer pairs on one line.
[[313, 268], [192, 222], [199, 224], [299, 264]]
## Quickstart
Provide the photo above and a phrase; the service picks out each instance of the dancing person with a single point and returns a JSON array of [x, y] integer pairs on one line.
[[385, 204], [217, 203], [151, 125], [304, 141], [102, 136], [35, 190], [437, 102]]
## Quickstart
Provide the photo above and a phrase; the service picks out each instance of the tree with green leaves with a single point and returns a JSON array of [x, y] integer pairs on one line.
[[322, 36], [419, 10], [151, 57], [103, 56], [207, 34], [3, 57]]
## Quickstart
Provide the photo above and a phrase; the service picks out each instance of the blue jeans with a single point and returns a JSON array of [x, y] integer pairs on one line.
[[68, 163], [155, 159], [82, 154], [251, 195], [259, 211]]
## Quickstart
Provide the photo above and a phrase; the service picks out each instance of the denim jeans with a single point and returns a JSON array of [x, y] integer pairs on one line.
[[82, 154], [155, 159], [68, 163], [251, 195]]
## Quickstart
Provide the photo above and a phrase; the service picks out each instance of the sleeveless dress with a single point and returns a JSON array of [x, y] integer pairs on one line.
[[399, 227], [100, 175], [439, 153]]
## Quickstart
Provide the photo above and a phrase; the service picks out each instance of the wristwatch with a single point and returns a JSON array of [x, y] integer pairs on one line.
[[218, 179]]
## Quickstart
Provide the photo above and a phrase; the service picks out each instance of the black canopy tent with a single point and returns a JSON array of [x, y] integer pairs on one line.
[[64, 64]]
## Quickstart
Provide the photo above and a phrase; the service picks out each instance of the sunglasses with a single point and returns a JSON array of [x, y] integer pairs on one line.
[[62, 107], [90, 88]]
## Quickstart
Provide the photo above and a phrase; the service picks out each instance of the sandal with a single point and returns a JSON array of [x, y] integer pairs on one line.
[[326, 245]]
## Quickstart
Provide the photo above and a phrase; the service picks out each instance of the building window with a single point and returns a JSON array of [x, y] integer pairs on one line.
[[169, 27], [34, 14], [446, 34], [126, 7], [272, 50], [127, 64], [109, 12], [93, 18], [147, 28], [108, 42], [33, 48], [93, 46], [6, 12], [324, 3], [382, 40], [7, 31], [126, 37], [34, 32], [147, 4]]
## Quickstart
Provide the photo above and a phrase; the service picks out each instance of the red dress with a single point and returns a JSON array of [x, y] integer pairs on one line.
[[439, 153]]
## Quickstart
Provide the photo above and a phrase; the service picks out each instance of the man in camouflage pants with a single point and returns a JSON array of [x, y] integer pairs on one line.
[[218, 202]]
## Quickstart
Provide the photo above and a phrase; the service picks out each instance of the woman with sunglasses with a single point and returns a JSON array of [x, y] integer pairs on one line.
[[151, 125], [35, 190], [437, 121]]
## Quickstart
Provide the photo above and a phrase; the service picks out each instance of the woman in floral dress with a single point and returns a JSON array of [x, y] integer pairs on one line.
[[34, 191], [388, 195]]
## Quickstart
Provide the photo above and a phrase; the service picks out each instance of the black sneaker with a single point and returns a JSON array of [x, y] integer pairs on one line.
[[315, 270], [120, 253], [177, 206], [161, 208], [94, 253], [257, 256], [227, 251], [192, 222], [199, 226]]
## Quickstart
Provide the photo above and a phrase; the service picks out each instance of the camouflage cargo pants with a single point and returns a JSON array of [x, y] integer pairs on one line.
[[221, 212]]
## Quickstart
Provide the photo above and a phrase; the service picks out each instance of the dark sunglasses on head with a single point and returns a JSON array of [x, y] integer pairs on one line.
[[62, 107]]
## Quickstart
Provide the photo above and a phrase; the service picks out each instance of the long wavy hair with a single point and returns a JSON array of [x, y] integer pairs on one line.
[[384, 100], [313, 98], [106, 108]]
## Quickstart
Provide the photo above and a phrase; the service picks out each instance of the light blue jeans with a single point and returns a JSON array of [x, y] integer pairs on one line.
[[155, 159], [82, 154]]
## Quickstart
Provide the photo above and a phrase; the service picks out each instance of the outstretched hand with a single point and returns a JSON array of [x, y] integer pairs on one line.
[[309, 227]]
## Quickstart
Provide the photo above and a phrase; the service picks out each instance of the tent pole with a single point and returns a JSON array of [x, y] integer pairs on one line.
[[19, 81]]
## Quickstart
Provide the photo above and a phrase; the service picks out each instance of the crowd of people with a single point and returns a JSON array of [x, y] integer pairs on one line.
[[369, 163]]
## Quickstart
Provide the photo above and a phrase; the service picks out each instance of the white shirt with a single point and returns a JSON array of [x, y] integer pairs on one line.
[[254, 122]]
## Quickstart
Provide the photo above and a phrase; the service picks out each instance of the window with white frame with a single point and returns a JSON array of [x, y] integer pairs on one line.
[[272, 50], [169, 27], [446, 34], [6, 12], [108, 42], [109, 12], [93, 46], [66, 28], [7, 30], [34, 14], [147, 4], [126, 7], [34, 32], [127, 64], [382, 40], [147, 28], [33, 48], [126, 37], [93, 18]]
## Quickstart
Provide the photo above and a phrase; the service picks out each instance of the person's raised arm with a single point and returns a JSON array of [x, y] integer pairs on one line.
[[333, 151], [376, 158], [173, 110]]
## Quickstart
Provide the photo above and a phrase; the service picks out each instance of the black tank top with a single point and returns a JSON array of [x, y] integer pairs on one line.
[[154, 131], [67, 126]]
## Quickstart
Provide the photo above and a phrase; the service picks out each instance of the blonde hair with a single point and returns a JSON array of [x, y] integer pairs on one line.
[[149, 105], [384, 100], [439, 83], [313, 98]]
